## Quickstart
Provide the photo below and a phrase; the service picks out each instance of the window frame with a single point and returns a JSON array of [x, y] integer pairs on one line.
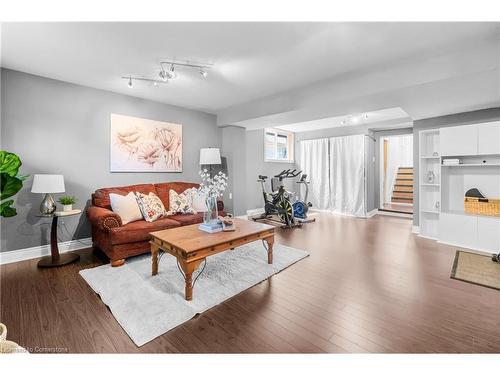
[[290, 136]]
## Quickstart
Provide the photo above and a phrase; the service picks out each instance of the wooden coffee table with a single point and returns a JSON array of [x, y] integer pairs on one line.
[[192, 246]]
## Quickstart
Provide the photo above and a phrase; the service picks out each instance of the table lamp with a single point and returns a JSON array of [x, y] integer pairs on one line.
[[47, 184], [210, 156]]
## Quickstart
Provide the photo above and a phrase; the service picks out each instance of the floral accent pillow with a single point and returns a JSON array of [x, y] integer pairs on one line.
[[181, 203], [151, 206]]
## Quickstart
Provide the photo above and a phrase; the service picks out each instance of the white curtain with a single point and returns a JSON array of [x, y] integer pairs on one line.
[[313, 160], [347, 175]]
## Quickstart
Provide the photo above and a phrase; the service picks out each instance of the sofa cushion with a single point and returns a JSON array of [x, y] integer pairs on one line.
[[151, 206], [181, 203], [126, 207], [187, 219], [139, 230], [101, 196], [163, 190]]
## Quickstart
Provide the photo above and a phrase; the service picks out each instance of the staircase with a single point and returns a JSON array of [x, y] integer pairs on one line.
[[403, 186]]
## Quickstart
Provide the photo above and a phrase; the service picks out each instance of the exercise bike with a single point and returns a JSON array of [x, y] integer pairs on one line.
[[278, 203], [300, 208]]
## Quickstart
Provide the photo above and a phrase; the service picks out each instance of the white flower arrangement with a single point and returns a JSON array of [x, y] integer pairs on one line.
[[213, 187]]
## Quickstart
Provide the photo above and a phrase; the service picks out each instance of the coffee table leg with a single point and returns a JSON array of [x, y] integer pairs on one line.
[[270, 242], [188, 269], [154, 259]]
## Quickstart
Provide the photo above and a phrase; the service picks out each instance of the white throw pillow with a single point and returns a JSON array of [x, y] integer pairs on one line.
[[126, 207], [181, 203]]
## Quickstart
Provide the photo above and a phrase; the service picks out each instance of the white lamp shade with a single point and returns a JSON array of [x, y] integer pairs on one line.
[[209, 156], [48, 183]]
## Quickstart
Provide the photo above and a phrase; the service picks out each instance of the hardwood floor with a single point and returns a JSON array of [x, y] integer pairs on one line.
[[368, 286], [399, 208]]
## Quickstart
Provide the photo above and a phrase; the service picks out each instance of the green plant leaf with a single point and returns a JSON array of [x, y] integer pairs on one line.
[[6, 210], [9, 163], [9, 185]]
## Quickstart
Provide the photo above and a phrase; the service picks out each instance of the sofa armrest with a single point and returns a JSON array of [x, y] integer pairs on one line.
[[103, 218], [220, 205]]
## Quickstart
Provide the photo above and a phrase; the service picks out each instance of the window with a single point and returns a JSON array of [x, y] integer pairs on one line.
[[278, 145]]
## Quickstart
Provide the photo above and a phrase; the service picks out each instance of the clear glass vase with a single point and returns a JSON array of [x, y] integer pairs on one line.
[[211, 214]]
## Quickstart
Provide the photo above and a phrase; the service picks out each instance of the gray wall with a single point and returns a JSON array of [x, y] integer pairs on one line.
[[465, 118], [62, 128], [233, 147]]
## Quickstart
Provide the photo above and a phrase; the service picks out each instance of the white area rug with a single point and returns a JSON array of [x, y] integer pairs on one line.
[[148, 306]]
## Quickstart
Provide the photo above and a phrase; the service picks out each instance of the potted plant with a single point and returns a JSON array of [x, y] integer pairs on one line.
[[11, 182], [67, 201]]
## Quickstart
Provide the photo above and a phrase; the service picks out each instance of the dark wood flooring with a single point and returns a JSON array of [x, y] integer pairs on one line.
[[368, 286], [398, 208]]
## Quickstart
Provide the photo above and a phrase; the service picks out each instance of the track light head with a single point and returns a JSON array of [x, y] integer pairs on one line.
[[171, 73], [203, 73], [163, 75], [129, 82]]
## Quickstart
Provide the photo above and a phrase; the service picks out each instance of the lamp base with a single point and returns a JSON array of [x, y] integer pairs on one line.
[[48, 206], [61, 260]]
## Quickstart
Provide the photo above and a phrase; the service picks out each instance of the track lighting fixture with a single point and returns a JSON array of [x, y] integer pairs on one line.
[[163, 75], [171, 73], [166, 75]]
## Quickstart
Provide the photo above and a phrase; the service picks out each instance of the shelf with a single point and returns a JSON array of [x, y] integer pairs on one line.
[[430, 157], [472, 165], [463, 213], [425, 184]]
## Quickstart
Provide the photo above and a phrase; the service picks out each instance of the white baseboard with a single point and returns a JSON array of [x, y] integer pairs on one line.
[[40, 251], [456, 244], [415, 229], [371, 213]]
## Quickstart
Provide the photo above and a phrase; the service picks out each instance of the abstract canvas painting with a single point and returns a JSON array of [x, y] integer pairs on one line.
[[140, 145]]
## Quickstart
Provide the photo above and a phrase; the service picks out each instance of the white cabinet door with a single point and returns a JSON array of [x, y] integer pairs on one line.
[[458, 140], [489, 138], [458, 229], [488, 233]]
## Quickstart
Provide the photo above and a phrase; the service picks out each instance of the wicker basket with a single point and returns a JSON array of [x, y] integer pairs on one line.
[[482, 206]]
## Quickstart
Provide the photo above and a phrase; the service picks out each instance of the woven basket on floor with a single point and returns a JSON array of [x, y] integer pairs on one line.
[[480, 206]]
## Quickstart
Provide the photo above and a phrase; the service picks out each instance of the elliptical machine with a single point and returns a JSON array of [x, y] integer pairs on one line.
[[300, 208], [278, 203]]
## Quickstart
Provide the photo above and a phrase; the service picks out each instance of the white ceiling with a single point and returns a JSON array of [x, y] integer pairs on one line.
[[251, 60], [395, 116]]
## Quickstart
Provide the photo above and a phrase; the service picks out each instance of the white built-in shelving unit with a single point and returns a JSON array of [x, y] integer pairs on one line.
[[478, 148], [429, 191]]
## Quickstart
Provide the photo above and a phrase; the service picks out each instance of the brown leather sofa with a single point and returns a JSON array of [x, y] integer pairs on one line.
[[120, 241]]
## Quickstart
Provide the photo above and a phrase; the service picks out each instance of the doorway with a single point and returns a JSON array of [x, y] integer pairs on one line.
[[396, 174]]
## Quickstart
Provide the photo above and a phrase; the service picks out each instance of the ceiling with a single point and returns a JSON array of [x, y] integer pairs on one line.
[[251, 60], [390, 117]]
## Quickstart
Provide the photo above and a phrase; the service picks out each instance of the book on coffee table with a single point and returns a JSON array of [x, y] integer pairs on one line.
[[211, 227]]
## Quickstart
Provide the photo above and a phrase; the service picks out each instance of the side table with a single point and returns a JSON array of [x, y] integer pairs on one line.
[[56, 259]]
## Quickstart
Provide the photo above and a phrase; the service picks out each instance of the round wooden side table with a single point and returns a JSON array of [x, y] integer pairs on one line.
[[56, 259]]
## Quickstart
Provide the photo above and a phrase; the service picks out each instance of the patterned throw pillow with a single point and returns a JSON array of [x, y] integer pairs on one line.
[[151, 206], [181, 203]]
